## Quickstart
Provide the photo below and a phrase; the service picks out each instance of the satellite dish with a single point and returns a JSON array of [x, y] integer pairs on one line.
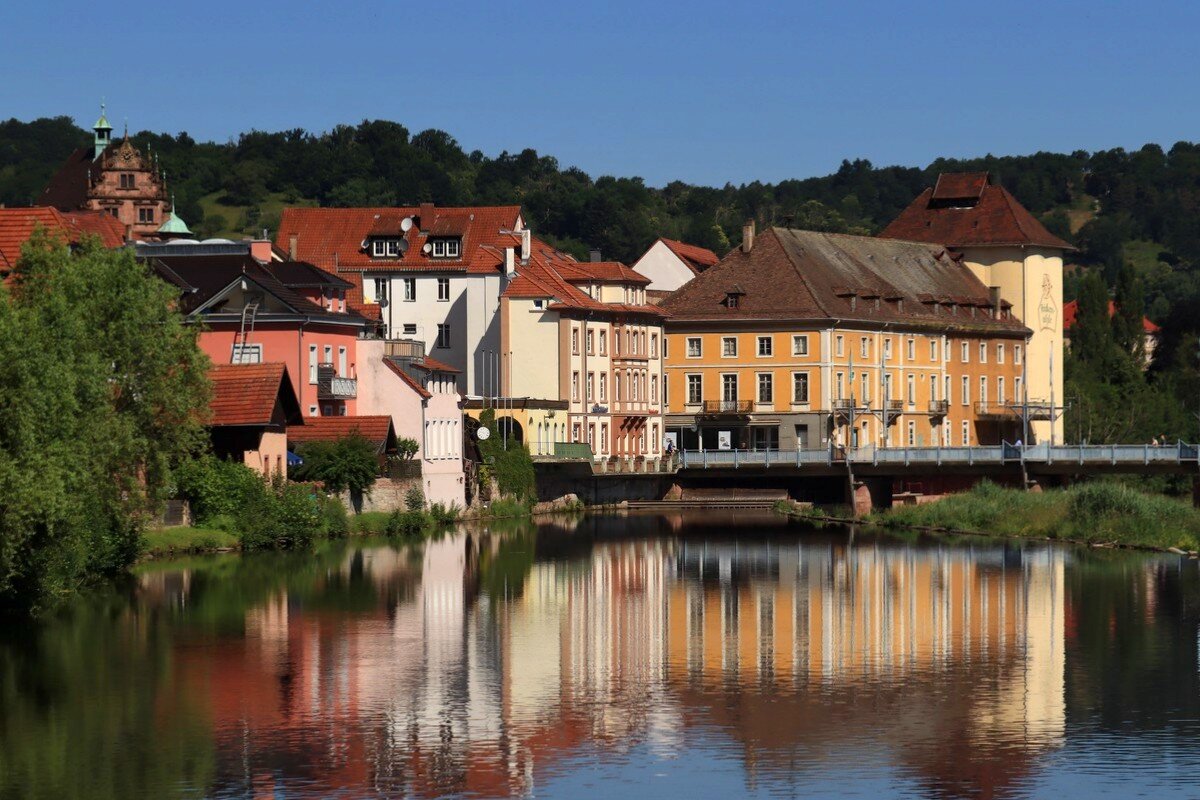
[[383, 302], [363, 245], [427, 248], [482, 434], [405, 224], [403, 246]]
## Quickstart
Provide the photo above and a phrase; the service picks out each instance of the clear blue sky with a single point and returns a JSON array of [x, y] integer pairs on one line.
[[700, 91]]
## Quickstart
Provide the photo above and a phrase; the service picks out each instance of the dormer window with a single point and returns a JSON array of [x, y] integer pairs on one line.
[[385, 248], [446, 248], [731, 300]]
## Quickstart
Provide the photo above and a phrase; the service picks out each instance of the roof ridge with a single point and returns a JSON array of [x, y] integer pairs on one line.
[[799, 272]]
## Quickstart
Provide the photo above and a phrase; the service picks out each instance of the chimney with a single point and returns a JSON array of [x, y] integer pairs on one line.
[[594, 256], [748, 236], [510, 261], [293, 243], [426, 214], [260, 250], [526, 245], [994, 291], [129, 233]]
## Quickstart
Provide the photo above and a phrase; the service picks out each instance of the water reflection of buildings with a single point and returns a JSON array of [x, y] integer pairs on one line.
[[435, 687]]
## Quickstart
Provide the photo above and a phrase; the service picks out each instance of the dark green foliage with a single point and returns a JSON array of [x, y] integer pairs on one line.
[[284, 516], [512, 466], [406, 448], [414, 499], [406, 523], [103, 393], [335, 521], [443, 515], [216, 489], [349, 463]]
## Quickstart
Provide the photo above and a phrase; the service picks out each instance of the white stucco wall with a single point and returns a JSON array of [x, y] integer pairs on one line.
[[664, 269]]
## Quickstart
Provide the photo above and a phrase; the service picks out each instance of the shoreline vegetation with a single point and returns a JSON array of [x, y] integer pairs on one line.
[[1100, 514]]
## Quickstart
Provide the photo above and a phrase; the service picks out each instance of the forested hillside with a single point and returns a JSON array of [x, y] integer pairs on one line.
[[1135, 217]]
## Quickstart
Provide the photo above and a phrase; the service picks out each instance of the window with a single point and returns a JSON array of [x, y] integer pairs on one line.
[[446, 248], [965, 355], [949, 398], [766, 388], [728, 347], [693, 347], [865, 390], [127, 181], [912, 349], [911, 387], [590, 384], [694, 395], [603, 342], [864, 347], [381, 290], [1000, 354], [966, 433], [731, 300], [887, 349], [966, 391], [654, 345], [145, 215], [912, 433], [410, 289], [838, 385], [443, 335], [410, 329], [983, 395], [575, 341], [766, 346], [1019, 397], [378, 248], [729, 383], [393, 248], [575, 432], [933, 386], [933, 350], [983, 352], [653, 388], [800, 387], [328, 354], [838, 346], [603, 437], [1017, 354], [246, 354], [1000, 390], [443, 285], [591, 342], [800, 345], [575, 385], [312, 411], [342, 362], [327, 411]]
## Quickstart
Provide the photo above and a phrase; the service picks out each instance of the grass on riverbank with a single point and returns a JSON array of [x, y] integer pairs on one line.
[[186, 539], [1097, 513]]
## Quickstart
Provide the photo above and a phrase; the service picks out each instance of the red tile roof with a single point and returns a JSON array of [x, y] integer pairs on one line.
[[333, 239], [431, 364], [1071, 311], [697, 259], [951, 215], [421, 391], [252, 394], [376, 429], [17, 225], [806, 275]]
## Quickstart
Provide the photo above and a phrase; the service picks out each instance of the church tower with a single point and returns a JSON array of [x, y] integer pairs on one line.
[[101, 135]]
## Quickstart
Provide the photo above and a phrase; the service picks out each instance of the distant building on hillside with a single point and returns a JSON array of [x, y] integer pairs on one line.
[[670, 264], [1149, 329], [117, 179], [1012, 254]]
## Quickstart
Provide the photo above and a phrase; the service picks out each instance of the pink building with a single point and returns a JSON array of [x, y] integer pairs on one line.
[[257, 309]]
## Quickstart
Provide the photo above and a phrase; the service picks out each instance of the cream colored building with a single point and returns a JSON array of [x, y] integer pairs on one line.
[[1011, 253]]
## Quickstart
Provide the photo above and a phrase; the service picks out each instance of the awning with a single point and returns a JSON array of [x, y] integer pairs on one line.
[[294, 460]]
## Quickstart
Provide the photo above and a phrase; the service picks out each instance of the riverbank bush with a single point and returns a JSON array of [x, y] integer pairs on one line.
[[216, 490], [159, 542], [406, 523], [1101, 512], [511, 465], [283, 516]]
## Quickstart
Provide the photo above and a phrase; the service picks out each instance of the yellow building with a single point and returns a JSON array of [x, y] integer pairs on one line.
[[799, 340], [1010, 252]]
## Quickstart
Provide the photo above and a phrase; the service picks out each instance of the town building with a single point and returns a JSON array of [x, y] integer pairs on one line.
[[377, 429], [430, 275], [670, 264], [420, 394], [1007, 249], [252, 407], [257, 309], [115, 178], [1150, 331], [582, 334], [804, 340], [71, 228]]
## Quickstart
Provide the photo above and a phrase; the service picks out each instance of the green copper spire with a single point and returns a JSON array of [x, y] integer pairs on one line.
[[174, 226], [102, 134]]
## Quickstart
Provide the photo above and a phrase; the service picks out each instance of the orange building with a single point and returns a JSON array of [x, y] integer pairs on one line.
[[803, 340]]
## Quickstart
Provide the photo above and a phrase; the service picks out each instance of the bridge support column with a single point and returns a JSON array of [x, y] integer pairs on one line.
[[869, 494]]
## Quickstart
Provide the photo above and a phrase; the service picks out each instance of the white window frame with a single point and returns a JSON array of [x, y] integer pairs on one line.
[[983, 352], [796, 383], [443, 336], [770, 386], [726, 351], [966, 391], [443, 290], [410, 289], [965, 355], [378, 249], [246, 354], [839, 346], [800, 344], [697, 351], [1000, 353], [688, 383], [769, 341]]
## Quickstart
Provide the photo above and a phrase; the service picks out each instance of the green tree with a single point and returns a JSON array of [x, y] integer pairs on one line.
[[105, 393], [350, 463]]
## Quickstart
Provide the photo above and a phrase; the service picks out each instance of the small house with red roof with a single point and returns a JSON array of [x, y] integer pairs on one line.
[[981, 223], [429, 274], [252, 407], [669, 264], [375, 428], [582, 355], [71, 228], [1150, 331]]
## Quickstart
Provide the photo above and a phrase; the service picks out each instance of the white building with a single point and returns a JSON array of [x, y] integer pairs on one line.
[[670, 264]]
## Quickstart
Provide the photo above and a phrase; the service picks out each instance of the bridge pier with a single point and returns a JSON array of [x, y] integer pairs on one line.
[[869, 494]]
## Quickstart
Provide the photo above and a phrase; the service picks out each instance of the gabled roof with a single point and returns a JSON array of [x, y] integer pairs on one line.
[[601, 271], [965, 210], [334, 238], [252, 394], [18, 224], [430, 364], [1071, 311], [805, 275], [376, 429], [68, 188], [695, 258]]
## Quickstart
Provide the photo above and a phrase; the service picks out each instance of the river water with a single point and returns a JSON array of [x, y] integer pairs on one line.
[[645, 656]]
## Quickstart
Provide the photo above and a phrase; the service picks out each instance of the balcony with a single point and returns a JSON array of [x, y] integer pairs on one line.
[[939, 408], [1037, 410], [404, 348], [719, 407], [332, 387]]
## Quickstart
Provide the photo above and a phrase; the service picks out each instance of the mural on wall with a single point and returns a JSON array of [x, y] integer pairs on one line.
[[1047, 310]]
